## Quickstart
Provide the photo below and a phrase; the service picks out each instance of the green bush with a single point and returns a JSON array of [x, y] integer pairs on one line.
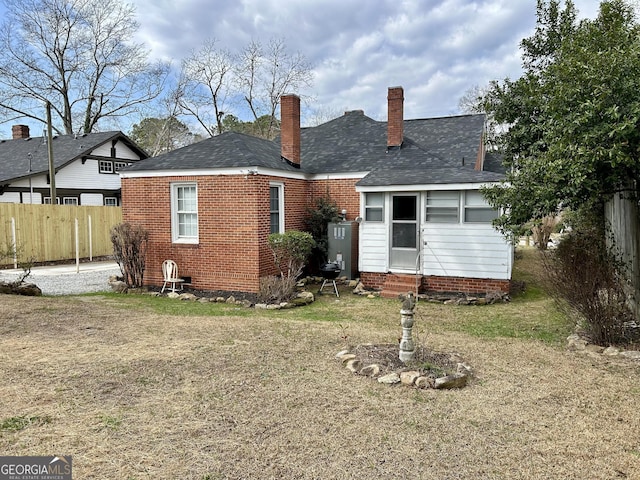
[[290, 253]]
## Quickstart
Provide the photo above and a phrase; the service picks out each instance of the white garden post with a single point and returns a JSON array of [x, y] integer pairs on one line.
[[407, 347]]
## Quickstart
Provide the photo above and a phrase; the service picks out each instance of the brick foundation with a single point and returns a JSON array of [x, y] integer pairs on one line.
[[375, 281]]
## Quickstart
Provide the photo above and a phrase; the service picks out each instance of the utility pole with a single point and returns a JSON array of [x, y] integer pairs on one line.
[[52, 170]]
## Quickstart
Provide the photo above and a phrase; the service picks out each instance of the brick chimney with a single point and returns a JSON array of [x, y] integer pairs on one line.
[[290, 128], [395, 116], [20, 131]]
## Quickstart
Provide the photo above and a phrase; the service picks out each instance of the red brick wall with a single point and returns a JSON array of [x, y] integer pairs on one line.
[[375, 281], [234, 223], [341, 191], [466, 285], [395, 116]]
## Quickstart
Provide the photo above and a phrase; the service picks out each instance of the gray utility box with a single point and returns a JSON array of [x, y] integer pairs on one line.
[[343, 247]]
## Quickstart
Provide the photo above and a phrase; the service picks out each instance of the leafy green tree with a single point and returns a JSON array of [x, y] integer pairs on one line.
[[162, 135], [256, 128], [572, 138], [316, 222]]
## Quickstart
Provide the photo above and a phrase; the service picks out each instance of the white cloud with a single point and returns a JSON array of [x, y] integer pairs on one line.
[[435, 49]]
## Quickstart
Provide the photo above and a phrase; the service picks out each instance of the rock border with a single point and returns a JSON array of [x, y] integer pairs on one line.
[[577, 343], [407, 377]]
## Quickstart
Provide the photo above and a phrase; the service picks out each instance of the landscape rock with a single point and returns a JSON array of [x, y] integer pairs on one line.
[[463, 369], [189, 297], [26, 289], [611, 351], [345, 358], [173, 295], [632, 354], [390, 379], [409, 378], [354, 365], [456, 380], [118, 286], [594, 348], [231, 299], [424, 382], [370, 370], [576, 342]]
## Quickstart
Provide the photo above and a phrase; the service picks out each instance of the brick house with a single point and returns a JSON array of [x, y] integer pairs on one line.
[[411, 184], [86, 167]]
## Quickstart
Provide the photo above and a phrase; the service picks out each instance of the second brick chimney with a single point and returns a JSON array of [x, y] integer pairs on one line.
[[395, 116], [290, 128], [20, 131]]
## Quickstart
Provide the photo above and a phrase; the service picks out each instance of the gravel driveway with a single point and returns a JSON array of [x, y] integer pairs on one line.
[[64, 279]]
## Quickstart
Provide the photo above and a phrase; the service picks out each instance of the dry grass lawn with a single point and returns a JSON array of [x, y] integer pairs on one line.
[[134, 393]]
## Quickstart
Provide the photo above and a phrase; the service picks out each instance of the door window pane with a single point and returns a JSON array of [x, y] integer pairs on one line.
[[404, 208], [404, 235]]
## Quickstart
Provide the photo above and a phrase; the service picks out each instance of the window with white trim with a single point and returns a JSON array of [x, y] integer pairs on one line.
[[119, 166], [276, 207], [70, 200], [184, 212], [374, 207], [110, 202], [47, 200], [105, 166], [477, 209], [443, 206]]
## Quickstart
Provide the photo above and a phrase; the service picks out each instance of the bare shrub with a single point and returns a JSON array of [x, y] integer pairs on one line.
[[11, 251], [588, 281], [130, 250], [276, 289]]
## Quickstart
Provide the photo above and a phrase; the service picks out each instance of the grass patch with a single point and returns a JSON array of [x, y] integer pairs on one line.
[[15, 424]]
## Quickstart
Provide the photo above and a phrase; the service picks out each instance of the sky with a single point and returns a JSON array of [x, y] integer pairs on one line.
[[435, 49]]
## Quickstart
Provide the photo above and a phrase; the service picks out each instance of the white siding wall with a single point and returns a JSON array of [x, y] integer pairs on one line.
[[10, 197], [466, 250], [91, 199], [77, 175], [122, 151], [374, 247]]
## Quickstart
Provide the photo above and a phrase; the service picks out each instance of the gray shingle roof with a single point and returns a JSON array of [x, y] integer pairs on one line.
[[435, 150], [14, 154], [231, 149]]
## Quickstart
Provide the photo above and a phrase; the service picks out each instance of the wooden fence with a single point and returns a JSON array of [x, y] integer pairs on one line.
[[46, 233]]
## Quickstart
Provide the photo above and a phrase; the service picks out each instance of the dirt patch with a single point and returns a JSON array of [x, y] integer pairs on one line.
[[426, 362]]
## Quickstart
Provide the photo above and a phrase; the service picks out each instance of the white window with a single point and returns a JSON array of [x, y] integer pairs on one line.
[[477, 209], [70, 200], [276, 207], [184, 212], [105, 166], [374, 207], [47, 200], [110, 202], [443, 206], [120, 165]]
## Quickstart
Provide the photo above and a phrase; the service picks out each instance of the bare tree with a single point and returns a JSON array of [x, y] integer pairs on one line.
[[77, 55], [265, 74], [205, 84]]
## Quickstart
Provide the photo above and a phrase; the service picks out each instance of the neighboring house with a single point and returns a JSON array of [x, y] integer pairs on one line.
[[411, 184], [86, 167]]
